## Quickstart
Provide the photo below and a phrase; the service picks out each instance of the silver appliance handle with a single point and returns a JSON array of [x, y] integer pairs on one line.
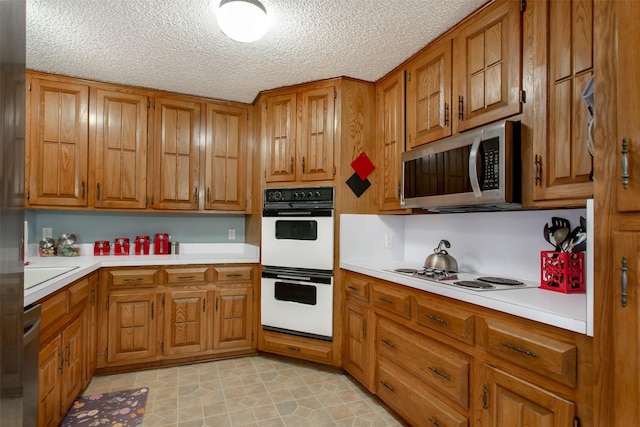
[[473, 172], [299, 278]]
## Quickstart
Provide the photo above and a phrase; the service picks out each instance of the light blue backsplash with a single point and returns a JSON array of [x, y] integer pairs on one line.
[[92, 226]]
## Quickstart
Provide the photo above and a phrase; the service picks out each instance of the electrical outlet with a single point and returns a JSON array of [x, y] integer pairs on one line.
[[47, 233], [232, 234], [388, 240]]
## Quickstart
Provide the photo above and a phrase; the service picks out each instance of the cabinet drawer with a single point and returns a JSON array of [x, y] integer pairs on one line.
[[233, 273], [53, 308], [399, 390], [445, 318], [133, 278], [290, 345], [545, 355], [439, 366], [78, 292], [357, 287], [392, 299], [186, 275]]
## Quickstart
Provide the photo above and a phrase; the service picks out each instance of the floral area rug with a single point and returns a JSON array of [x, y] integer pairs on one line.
[[118, 409]]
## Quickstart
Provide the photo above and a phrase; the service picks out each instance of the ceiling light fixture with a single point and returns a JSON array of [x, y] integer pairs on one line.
[[242, 20]]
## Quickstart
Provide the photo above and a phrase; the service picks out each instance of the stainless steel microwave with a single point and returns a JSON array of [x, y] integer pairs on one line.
[[476, 170]]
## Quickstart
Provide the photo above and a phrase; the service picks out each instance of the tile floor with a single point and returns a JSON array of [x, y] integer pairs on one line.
[[250, 391]]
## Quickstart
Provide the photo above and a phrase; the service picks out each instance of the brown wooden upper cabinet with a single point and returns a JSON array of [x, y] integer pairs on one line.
[[225, 160], [300, 130], [176, 170], [390, 130], [119, 149], [429, 95], [562, 52], [57, 149], [487, 66]]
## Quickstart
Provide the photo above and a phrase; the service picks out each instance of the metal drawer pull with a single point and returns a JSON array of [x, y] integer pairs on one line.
[[624, 282], [387, 300], [434, 422], [186, 277], [388, 343], [68, 354], [133, 279], [446, 114], [537, 167], [234, 275], [442, 374], [353, 288], [625, 163], [485, 396], [437, 319], [293, 348], [388, 387], [518, 349]]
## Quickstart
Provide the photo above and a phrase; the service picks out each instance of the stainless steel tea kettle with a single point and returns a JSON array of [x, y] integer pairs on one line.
[[441, 260]]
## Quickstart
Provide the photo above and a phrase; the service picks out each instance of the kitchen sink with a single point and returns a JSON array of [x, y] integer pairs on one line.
[[33, 276]]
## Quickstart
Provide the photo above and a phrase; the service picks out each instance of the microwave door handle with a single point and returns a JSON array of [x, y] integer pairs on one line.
[[473, 172]]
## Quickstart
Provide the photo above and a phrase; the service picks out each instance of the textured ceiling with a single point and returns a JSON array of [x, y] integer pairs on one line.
[[176, 45]]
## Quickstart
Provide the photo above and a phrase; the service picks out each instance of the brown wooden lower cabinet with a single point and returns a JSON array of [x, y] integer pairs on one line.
[[441, 362], [508, 401], [132, 327]]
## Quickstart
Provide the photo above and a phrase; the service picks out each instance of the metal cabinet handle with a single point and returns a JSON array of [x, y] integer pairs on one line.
[[186, 277], [388, 387], [208, 195], [69, 354], [625, 163], [437, 319], [518, 349], [353, 288], [302, 164], [291, 167], [460, 108], [434, 422], [97, 191], [388, 343], [387, 300], [82, 190], [133, 279], [537, 162], [195, 195], [446, 114], [293, 348], [152, 310], [439, 373], [485, 396], [624, 282]]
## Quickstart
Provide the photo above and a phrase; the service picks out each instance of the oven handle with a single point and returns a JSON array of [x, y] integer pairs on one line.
[[297, 213], [299, 278]]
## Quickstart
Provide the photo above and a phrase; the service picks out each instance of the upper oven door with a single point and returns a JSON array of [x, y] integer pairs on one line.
[[298, 238]]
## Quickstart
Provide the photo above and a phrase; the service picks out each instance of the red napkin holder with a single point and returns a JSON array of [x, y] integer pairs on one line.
[[562, 272]]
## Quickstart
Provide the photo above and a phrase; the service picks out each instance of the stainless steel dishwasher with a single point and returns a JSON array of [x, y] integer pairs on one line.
[[31, 346]]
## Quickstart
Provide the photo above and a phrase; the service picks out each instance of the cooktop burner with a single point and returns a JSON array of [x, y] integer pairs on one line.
[[470, 281]]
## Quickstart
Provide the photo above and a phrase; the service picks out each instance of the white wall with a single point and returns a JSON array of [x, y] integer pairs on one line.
[[507, 244]]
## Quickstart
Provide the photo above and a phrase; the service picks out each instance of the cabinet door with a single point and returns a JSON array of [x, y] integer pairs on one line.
[[226, 165], [317, 134], [429, 96], [626, 321], [508, 401], [390, 139], [356, 358], [51, 363], [281, 128], [120, 149], [627, 100], [185, 322], [73, 370], [561, 154], [57, 150], [177, 154], [233, 322], [131, 327], [487, 68]]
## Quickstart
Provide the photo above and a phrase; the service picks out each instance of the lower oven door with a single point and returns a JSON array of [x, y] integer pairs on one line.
[[297, 302]]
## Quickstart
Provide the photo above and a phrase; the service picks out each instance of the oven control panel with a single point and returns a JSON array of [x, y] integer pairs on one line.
[[300, 194]]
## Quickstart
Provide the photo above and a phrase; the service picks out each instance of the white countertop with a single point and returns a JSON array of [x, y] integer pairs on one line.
[[566, 311], [215, 253]]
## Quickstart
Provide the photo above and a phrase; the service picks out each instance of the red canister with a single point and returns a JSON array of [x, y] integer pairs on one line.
[[142, 245], [161, 244], [121, 246], [101, 247]]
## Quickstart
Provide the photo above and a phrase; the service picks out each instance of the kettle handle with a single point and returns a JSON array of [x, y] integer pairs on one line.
[[439, 249]]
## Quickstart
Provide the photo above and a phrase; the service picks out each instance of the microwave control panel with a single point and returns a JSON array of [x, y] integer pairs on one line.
[[491, 148]]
